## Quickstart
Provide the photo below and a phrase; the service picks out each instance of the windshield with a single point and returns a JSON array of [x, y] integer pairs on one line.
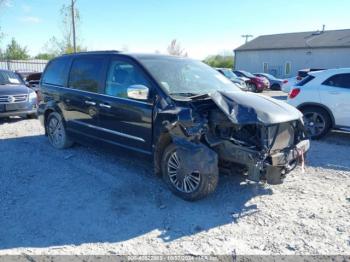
[[269, 76], [228, 73], [247, 74], [186, 77], [8, 77]]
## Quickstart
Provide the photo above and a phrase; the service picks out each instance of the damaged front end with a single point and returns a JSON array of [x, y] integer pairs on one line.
[[263, 136], [260, 136]]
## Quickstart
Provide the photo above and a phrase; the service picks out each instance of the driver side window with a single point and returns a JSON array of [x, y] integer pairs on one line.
[[121, 76]]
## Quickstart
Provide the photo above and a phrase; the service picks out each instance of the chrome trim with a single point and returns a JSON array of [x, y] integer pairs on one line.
[[109, 131], [90, 103], [4, 99], [87, 92], [105, 106]]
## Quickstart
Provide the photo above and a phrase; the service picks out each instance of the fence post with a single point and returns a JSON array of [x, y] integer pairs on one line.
[[8, 65]]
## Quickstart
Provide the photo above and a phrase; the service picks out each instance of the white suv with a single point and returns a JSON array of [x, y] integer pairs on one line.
[[324, 99]]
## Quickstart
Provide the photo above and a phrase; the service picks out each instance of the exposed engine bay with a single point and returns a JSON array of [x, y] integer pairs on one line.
[[243, 133]]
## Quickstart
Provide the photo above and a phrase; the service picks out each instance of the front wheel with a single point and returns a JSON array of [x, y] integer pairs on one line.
[[192, 186], [252, 88], [56, 131]]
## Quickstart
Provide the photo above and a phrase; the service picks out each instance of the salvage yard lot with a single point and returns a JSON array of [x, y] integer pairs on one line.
[[90, 201]]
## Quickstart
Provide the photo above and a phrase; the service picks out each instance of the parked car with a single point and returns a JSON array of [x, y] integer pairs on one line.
[[294, 80], [32, 81], [324, 99], [234, 78], [256, 84], [275, 83], [183, 113], [15, 98]]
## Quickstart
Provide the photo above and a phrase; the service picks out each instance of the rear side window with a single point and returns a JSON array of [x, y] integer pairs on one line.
[[56, 72], [305, 80], [340, 80], [86, 74]]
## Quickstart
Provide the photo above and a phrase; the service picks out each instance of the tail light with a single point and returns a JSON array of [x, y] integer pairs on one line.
[[294, 93]]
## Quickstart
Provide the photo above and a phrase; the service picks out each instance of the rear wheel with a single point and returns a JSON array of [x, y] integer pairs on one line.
[[192, 186], [275, 87], [56, 131], [317, 122]]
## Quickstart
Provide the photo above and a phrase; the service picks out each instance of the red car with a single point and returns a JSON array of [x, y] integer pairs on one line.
[[257, 84]]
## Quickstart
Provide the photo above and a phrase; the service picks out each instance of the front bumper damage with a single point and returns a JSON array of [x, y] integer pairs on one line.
[[215, 128], [263, 167]]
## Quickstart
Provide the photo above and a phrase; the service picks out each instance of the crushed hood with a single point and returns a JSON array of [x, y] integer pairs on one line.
[[250, 108]]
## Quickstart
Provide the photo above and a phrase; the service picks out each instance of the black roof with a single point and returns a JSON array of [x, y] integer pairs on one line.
[[318, 39], [135, 55]]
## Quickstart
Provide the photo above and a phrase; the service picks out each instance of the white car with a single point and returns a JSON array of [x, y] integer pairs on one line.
[[324, 99], [290, 82]]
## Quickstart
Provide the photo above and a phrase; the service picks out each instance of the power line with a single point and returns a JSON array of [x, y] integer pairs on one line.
[[247, 37], [73, 26]]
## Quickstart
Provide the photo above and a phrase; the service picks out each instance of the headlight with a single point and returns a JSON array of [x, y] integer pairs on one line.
[[32, 96]]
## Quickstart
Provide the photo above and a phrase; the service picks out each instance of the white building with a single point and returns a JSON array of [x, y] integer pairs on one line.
[[283, 55]]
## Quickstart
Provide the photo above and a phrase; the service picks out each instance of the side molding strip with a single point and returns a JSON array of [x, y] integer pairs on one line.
[[109, 131]]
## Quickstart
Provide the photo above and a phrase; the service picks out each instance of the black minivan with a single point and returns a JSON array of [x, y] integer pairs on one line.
[[192, 120]]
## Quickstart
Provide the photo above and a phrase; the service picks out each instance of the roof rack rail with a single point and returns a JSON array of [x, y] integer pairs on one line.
[[95, 52]]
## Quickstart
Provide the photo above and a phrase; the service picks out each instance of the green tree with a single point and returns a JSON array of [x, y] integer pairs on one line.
[[45, 56], [220, 60], [15, 52], [64, 45]]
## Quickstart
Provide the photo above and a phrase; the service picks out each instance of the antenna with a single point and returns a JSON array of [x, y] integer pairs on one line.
[[246, 37]]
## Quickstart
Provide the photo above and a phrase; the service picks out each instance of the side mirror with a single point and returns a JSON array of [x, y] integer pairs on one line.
[[138, 92]]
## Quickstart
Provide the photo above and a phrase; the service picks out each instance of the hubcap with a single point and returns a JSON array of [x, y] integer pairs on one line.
[[314, 123], [55, 131], [187, 183]]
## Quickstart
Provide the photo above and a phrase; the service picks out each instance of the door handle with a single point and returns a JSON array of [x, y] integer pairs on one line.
[[105, 106], [91, 103]]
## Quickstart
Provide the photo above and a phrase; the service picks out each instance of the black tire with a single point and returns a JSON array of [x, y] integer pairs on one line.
[[313, 116], [252, 88], [32, 116], [57, 136], [207, 183], [275, 87]]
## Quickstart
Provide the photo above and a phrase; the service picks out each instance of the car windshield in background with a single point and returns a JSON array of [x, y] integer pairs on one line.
[[247, 74], [9, 78], [228, 73], [186, 77], [270, 76]]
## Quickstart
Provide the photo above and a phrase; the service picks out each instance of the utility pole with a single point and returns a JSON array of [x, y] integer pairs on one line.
[[246, 37], [73, 26]]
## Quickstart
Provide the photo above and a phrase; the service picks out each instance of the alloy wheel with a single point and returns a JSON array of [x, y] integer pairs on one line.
[[186, 183], [315, 123], [55, 131]]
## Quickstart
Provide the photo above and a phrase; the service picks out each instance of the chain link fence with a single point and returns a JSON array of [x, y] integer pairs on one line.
[[23, 65]]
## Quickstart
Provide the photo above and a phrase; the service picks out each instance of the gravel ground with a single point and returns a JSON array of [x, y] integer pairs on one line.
[[90, 201]]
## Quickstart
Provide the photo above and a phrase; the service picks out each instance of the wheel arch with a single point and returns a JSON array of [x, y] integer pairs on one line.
[[48, 111], [306, 105], [163, 141]]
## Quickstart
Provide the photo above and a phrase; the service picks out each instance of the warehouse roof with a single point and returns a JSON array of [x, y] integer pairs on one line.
[[318, 39]]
